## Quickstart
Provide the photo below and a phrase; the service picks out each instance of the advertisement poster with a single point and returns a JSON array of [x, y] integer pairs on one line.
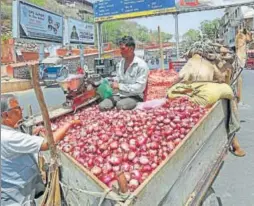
[[188, 4], [111, 9], [80, 32], [39, 24]]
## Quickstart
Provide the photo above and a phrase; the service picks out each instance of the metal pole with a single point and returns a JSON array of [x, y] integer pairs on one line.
[[99, 39], [41, 52], [82, 58], [177, 36], [161, 48], [41, 57]]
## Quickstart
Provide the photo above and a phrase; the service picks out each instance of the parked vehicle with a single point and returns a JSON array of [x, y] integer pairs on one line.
[[52, 68]]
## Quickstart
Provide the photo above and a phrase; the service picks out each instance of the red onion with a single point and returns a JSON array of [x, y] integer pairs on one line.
[[106, 179], [105, 153], [131, 156], [119, 133], [141, 140], [125, 146], [143, 160], [90, 163], [116, 168], [67, 148], [144, 176], [146, 168], [135, 142], [113, 183], [125, 167], [115, 160], [106, 168], [154, 145], [114, 145], [177, 141], [154, 165], [133, 184], [96, 170], [135, 174]]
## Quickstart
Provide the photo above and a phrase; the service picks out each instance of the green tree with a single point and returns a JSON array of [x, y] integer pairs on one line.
[[6, 11], [189, 38], [37, 2], [210, 28], [112, 31], [166, 37]]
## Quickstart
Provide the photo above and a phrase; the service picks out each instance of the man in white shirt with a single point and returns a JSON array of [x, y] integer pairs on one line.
[[20, 176], [131, 79]]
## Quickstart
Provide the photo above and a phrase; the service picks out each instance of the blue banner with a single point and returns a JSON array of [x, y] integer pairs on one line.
[[38, 24], [122, 9]]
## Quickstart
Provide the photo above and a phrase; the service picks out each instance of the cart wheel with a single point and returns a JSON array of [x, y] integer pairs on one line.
[[64, 73], [211, 199]]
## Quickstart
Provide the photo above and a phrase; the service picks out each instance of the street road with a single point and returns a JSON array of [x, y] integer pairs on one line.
[[235, 183]]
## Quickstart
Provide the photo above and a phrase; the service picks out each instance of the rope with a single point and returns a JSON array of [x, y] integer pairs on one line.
[[102, 195]]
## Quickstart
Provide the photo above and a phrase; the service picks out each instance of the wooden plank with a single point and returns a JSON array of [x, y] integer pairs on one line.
[[164, 177], [208, 178], [74, 176], [201, 163]]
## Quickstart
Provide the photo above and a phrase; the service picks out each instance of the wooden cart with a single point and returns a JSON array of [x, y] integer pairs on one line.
[[182, 179]]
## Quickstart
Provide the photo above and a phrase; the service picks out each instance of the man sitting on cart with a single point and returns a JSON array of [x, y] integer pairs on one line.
[[20, 176], [131, 79]]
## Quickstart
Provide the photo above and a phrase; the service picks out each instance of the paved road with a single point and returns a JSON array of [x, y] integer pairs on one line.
[[235, 183], [53, 97]]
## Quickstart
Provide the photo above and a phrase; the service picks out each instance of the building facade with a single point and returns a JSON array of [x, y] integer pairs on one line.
[[85, 8], [235, 18]]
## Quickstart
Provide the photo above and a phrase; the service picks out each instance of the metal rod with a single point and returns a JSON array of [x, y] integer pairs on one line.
[[177, 35], [99, 39], [82, 58], [29, 110], [41, 52], [30, 116], [161, 48]]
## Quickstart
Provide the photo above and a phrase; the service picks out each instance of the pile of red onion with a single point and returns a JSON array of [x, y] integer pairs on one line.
[[134, 142], [159, 81]]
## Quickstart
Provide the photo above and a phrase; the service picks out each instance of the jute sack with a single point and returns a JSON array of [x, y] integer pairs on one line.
[[199, 69], [203, 93]]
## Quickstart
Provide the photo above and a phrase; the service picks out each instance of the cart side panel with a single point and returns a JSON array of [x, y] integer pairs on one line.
[[74, 177], [165, 176], [200, 165]]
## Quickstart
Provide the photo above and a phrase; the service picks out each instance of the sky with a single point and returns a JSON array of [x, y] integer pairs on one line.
[[185, 21]]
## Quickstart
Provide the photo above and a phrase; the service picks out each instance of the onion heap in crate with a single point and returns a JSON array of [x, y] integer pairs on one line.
[[135, 142]]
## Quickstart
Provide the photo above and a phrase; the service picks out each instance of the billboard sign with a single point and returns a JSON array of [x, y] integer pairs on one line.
[[34, 23], [105, 10], [80, 32], [194, 4]]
